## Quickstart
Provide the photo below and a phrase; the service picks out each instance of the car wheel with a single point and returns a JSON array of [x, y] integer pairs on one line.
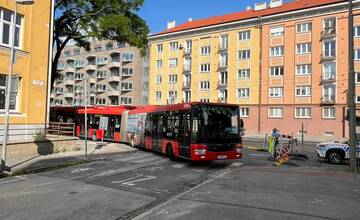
[[334, 158]]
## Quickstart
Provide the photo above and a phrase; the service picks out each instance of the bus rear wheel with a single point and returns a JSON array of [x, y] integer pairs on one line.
[[170, 152]]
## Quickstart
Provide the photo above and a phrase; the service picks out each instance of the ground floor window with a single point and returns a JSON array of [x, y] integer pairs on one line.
[[275, 112], [244, 112], [301, 112], [14, 91], [329, 112]]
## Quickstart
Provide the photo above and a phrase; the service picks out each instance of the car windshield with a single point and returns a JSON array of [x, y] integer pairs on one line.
[[216, 124]]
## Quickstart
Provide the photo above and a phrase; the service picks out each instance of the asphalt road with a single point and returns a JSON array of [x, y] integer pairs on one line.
[[144, 185]]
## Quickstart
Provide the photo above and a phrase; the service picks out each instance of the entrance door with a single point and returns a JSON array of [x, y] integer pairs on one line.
[[184, 134]]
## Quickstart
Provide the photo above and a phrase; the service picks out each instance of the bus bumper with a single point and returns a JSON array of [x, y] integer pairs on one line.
[[200, 152]]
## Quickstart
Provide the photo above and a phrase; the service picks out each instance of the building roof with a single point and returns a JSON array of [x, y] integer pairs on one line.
[[249, 14]]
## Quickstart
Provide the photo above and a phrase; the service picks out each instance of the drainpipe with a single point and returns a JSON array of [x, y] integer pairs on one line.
[[51, 36], [260, 72]]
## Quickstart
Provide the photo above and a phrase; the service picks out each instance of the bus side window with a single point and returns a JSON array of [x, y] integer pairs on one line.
[[148, 125]]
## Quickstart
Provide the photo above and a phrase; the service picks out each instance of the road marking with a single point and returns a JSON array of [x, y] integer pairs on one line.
[[44, 184], [316, 201], [356, 190], [162, 190], [236, 164], [80, 170], [197, 170], [17, 178], [131, 178], [259, 155], [178, 166], [132, 183], [155, 168], [102, 174], [196, 193], [133, 157], [162, 212]]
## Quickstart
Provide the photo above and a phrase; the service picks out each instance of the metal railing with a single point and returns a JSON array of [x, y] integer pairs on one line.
[[60, 128]]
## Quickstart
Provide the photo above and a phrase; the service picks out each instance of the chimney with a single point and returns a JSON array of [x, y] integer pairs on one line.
[[275, 3], [260, 6], [248, 8], [171, 24], [190, 19]]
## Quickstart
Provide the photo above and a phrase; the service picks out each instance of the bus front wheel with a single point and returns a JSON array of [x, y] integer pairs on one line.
[[170, 152]]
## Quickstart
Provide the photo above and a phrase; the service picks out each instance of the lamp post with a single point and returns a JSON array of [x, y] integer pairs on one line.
[[9, 79]]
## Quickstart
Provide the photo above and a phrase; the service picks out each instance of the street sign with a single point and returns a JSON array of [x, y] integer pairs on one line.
[[103, 125]]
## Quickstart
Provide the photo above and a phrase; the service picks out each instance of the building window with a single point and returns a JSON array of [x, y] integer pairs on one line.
[[101, 60], [303, 90], [205, 50], [357, 31], [276, 71], [187, 96], [330, 48], [121, 44], [357, 77], [159, 64], [244, 54], [205, 67], [276, 91], [223, 95], [6, 24], [357, 54], [14, 91], [109, 46], [330, 24], [127, 57], [204, 85], [224, 41], [67, 53], [243, 74], [172, 97], [127, 71], [204, 100], [357, 100], [126, 86], [329, 112], [243, 93], [174, 45], [100, 101], [188, 46], [329, 70], [97, 48], [275, 112], [244, 35], [303, 69], [303, 48], [76, 52], [125, 100], [159, 48], [277, 51], [302, 112], [158, 95], [276, 31], [172, 78], [158, 80], [223, 77], [173, 62], [244, 112], [304, 27]]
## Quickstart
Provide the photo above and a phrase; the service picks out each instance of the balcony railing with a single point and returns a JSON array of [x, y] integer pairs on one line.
[[223, 65], [328, 32], [328, 56], [90, 67], [69, 82], [187, 51], [223, 47], [222, 84], [328, 99], [114, 78], [115, 64], [331, 79], [186, 85], [187, 68]]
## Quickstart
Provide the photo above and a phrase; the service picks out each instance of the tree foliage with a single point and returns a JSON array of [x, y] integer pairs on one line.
[[83, 20]]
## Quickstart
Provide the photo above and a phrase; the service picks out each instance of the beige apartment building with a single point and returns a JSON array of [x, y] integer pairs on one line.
[[115, 72]]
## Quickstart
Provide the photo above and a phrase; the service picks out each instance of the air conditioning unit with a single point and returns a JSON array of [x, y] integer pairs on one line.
[[260, 6], [275, 3]]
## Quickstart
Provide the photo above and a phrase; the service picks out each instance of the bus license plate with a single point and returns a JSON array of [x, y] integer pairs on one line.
[[221, 157]]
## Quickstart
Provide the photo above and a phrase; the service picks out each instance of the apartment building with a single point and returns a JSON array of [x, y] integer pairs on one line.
[[30, 73], [285, 64], [115, 73]]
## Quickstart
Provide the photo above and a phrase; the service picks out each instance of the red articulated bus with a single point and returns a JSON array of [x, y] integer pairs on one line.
[[194, 131], [113, 113]]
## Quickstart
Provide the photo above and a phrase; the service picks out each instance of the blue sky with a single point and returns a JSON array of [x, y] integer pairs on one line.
[[158, 12]]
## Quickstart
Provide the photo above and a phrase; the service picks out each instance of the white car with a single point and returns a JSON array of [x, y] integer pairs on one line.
[[335, 152]]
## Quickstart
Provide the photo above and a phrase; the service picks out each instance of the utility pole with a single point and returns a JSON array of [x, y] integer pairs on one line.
[[86, 125], [351, 92]]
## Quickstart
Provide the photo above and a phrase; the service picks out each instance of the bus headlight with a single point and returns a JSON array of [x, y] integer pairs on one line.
[[200, 151]]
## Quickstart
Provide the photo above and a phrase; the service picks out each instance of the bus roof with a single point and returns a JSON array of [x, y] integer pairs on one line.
[[174, 107], [106, 110]]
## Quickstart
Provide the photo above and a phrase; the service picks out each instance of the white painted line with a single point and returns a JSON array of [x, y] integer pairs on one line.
[[16, 178], [236, 164], [259, 155], [80, 170], [132, 183], [44, 184], [131, 178], [102, 174], [132, 157], [178, 166]]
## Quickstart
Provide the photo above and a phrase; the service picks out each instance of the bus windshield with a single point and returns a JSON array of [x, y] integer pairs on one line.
[[215, 124]]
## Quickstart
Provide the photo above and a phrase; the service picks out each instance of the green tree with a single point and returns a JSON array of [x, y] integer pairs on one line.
[[83, 20]]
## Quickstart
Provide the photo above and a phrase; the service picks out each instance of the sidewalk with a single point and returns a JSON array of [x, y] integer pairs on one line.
[[306, 138], [39, 163]]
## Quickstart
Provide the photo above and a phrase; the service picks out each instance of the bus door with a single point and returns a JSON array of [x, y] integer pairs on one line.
[[110, 133], [184, 134], [157, 134]]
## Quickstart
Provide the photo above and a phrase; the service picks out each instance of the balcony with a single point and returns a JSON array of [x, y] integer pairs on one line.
[[328, 33], [100, 90], [187, 51], [186, 85], [328, 100], [125, 89], [222, 85], [92, 80], [187, 68], [69, 82], [69, 95], [328, 56], [69, 69], [91, 56], [223, 47], [113, 93], [115, 64], [101, 76], [90, 67], [223, 65], [331, 79], [114, 78], [58, 92]]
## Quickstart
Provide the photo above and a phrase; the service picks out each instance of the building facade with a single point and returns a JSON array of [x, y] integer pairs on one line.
[[286, 65], [115, 72], [30, 73]]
